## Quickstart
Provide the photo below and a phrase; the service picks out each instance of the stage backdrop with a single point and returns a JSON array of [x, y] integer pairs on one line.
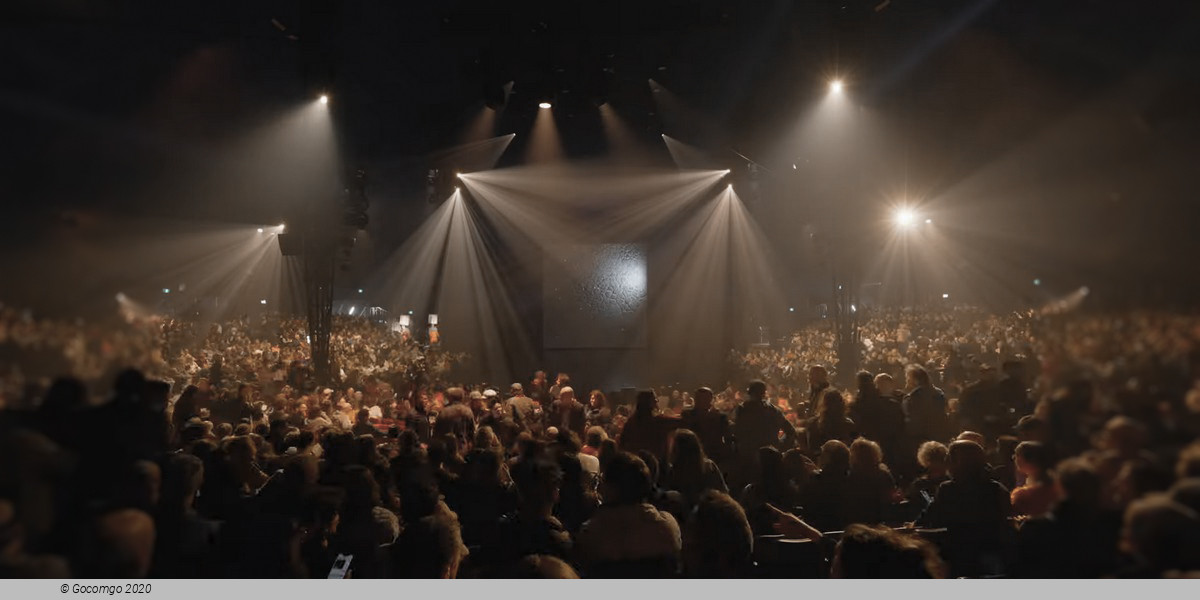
[[594, 313]]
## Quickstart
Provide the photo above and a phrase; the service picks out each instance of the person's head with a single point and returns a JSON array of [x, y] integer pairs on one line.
[[703, 399], [865, 456], [717, 539], [1162, 533], [224, 430], [597, 400], [363, 416], [516, 389], [972, 436], [1031, 429], [596, 436], [757, 390], [542, 566], [1123, 435], [866, 552], [770, 462], [885, 384], [835, 457], [118, 544], [538, 482], [818, 375], [987, 373], [967, 460], [1078, 481], [933, 457], [626, 480], [483, 467], [454, 395], [916, 376], [651, 461], [562, 379], [485, 437], [1188, 464], [432, 547], [686, 451], [865, 382], [646, 403], [1033, 460], [182, 478], [608, 450], [566, 395], [1187, 493], [832, 406]]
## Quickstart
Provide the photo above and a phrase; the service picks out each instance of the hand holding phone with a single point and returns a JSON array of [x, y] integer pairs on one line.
[[341, 566]]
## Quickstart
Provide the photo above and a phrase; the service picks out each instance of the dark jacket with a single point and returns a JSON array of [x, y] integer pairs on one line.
[[573, 416]]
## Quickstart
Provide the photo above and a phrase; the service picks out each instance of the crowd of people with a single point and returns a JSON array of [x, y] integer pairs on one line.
[[971, 445]]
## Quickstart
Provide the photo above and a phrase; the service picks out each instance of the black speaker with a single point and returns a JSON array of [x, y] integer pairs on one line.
[[291, 244]]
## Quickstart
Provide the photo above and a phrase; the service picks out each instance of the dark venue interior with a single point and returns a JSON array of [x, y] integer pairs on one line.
[[675, 289]]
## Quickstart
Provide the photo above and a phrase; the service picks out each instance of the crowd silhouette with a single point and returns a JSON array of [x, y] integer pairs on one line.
[[971, 445]]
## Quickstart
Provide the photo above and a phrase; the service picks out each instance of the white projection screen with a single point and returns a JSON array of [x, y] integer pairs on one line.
[[595, 296]]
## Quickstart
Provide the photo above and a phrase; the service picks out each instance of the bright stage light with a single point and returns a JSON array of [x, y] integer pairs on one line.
[[945, 296], [458, 175], [544, 105], [260, 229], [905, 218], [166, 290], [323, 99], [263, 301], [360, 290], [835, 86], [929, 221], [282, 227]]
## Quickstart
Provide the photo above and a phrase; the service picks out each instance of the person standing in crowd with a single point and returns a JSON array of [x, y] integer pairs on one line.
[[818, 382], [710, 425], [830, 421], [456, 418], [524, 408], [756, 423], [599, 414], [567, 413], [645, 429], [979, 407], [925, 407]]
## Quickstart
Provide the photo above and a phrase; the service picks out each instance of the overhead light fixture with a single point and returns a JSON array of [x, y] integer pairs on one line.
[[544, 105], [260, 229], [904, 218], [835, 86], [323, 99]]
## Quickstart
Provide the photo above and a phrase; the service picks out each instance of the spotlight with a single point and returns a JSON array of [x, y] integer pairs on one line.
[[791, 309], [544, 105], [260, 230], [458, 175], [360, 290], [945, 296], [323, 99], [121, 297], [905, 218], [929, 221], [263, 301], [410, 312], [282, 227], [835, 86], [166, 290]]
